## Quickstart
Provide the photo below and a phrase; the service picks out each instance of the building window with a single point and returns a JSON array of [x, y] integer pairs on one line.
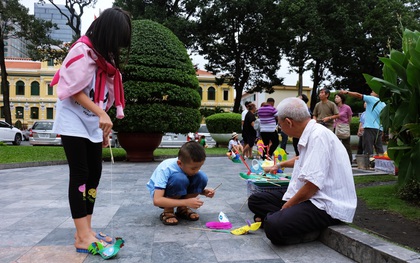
[[225, 94], [19, 112], [211, 93], [34, 113], [200, 91], [35, 88], [20, 88], [2, 112], [50, 113], [50, 63], [50, 89]]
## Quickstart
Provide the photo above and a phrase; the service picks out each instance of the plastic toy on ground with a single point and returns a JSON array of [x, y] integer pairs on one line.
[[234, 157], [245, 229]]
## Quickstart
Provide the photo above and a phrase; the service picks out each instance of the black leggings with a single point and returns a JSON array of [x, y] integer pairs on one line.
[[85, 162], [284, 226]]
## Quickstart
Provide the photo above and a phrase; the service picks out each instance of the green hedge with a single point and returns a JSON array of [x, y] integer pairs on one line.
[[354, 125], [224, 123]]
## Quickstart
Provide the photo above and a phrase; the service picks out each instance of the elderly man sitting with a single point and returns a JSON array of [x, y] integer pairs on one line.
[[321, 191]]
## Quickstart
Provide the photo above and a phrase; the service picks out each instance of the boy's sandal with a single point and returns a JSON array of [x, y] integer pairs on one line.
[[165, 216], [187, 214], [107, 251]]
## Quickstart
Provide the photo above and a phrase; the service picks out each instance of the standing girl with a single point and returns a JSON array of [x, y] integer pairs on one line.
[[88, 84]]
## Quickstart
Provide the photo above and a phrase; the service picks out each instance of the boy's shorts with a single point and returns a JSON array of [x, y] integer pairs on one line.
[[180, 184]]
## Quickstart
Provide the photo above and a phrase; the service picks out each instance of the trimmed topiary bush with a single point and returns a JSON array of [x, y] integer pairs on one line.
[[160, 84], [224, 123]]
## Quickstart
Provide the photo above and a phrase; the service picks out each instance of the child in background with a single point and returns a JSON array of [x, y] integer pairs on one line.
[[235, 145], [177, 182], [203, 141]]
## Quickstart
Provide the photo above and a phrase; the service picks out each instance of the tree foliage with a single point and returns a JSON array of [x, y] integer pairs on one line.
[[400, 90], [15, 22], [240, 39], [340, 40], [177, 15]]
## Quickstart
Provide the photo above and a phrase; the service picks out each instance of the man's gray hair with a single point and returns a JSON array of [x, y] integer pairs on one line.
[[293, 108]]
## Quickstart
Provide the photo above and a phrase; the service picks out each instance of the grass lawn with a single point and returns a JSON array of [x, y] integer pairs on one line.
[[383, 197], [22, 154]]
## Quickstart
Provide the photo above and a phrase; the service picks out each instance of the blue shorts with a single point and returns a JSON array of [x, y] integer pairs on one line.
[[180, 184]]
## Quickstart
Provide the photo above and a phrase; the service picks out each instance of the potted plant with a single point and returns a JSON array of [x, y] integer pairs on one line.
[[222, 125], [161, 91], [400, 90]]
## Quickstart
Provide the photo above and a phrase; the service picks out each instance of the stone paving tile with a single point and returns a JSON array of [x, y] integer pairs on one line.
[[36, 219]]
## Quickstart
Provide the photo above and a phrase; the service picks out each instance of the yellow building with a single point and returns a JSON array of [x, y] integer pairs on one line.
[[213, 95], [31, 96]]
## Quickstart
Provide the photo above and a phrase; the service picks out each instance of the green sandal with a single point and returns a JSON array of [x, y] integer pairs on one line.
[[107, 251]]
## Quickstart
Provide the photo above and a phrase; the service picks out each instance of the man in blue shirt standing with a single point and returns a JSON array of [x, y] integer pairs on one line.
[[372, 135]]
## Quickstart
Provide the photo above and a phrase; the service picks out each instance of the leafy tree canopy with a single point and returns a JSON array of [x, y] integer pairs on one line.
[[177, 15], [240, 39]]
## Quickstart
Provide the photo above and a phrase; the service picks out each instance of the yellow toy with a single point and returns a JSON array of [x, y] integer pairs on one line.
[[245, 229]]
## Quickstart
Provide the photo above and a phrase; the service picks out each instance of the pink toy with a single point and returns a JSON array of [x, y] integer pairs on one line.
[[219, 225]]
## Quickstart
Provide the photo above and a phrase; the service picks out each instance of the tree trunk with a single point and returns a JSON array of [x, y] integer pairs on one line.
[[4, 86], [317, 78], [240, 82], [300, 88]]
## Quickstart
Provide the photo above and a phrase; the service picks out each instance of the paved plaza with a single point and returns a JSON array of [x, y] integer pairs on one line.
[[36, 226]]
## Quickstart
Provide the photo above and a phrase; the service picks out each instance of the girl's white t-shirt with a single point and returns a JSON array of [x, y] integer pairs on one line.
[[72, 119]]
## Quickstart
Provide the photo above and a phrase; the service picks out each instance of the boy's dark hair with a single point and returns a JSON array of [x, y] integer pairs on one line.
[[110, 32], [270, 100], [192, 151]]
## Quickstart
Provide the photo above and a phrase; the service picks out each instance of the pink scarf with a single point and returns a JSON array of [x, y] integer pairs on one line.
[[105, 69]]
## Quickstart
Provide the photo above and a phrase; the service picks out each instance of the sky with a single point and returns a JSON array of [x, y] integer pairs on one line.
[[90, 13]]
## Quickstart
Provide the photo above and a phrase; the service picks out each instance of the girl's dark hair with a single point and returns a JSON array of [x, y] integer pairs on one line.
[[191, 151], [343, 98], [110, 32]]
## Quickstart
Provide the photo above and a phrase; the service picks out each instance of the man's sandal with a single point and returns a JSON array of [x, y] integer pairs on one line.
[[187, 214], [165, 216]]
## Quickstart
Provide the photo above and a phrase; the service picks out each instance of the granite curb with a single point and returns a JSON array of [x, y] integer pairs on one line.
[[364, 247]]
